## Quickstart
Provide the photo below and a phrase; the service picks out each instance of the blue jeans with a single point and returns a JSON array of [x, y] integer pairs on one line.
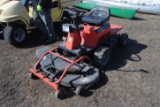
[[38, 22], [43, 19], [47, 19]]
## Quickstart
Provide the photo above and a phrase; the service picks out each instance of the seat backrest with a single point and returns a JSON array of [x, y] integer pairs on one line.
[[98, 15]]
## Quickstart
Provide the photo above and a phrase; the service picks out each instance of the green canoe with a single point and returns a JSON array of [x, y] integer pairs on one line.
[[119, 12]]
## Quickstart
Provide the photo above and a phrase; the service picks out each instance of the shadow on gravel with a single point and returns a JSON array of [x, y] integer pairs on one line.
[[137, 18], [121, 55], [102, 81], [34, 38], [140, 70], [134, 18]]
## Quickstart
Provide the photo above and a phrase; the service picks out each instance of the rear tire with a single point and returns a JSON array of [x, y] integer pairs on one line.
[[1, 32], [15, 34], [102, 57]]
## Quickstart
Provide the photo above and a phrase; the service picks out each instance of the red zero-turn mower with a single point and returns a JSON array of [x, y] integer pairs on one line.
[[74, 63]]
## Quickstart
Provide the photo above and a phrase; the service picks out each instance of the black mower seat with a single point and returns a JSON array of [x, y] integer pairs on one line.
[[97, 16]]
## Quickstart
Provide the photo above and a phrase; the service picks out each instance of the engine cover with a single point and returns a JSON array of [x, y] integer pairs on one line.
[[91, 36]]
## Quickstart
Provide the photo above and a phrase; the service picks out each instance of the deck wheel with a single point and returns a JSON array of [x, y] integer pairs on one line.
[[79, 90], [61, 94], [33, 77]]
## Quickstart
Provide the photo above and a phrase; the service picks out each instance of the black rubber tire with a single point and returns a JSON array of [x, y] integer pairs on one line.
[[32, 76], [1, 31], [79, 90], [123, 40], [11, 33], [102, 57], [61, 94], [1, 35]]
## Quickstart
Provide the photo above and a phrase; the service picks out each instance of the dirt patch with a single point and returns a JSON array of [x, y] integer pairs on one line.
[[130, 80]]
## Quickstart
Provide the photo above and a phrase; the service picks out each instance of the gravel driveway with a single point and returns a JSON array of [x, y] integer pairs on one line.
[[130, 80]]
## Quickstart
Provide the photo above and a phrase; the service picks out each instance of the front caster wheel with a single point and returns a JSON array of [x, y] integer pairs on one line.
[[33, 77], [60, 94], [79, 90]]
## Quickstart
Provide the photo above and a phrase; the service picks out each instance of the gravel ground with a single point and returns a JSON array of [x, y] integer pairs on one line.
[[130, 80]]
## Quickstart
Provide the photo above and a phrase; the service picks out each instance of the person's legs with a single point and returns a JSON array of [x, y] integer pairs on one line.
[[39, 23], [37, 19], [46, 17]]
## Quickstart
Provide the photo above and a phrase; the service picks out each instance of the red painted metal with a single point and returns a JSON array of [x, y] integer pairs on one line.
[[90, 36], [73, 40], [115, 28], [46, 80]]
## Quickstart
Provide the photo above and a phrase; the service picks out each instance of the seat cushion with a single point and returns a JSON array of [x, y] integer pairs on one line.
[[98, 16]]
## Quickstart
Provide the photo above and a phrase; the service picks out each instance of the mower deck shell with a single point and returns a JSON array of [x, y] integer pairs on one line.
[[72, 73]]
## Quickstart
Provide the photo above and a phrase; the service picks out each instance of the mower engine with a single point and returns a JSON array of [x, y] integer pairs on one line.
[[94, 31]]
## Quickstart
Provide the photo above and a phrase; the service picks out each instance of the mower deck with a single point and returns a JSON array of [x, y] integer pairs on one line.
[[56, 69]]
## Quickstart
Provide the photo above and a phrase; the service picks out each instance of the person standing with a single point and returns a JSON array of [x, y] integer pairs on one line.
[[43, 19]]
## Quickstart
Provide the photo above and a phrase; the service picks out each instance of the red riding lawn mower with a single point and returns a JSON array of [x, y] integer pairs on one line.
[[87, 50]]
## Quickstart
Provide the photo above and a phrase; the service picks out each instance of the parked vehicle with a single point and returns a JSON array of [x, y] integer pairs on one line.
[[16, 19], [76, 63]]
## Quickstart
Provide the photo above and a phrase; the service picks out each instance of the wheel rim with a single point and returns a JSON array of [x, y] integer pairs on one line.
[[19, 35]]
